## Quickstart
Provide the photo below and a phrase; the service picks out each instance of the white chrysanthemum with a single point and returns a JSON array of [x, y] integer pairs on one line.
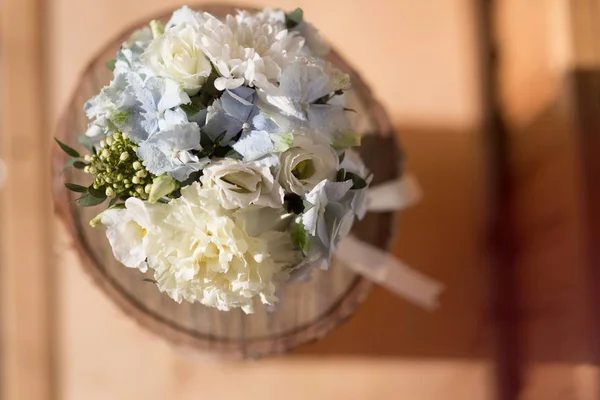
[[247, 49], [221, 258]]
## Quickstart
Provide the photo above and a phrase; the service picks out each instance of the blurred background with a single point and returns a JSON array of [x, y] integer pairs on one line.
[[496, 105]]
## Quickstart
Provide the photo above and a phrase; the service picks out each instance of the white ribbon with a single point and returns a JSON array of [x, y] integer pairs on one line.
[[380, 266]]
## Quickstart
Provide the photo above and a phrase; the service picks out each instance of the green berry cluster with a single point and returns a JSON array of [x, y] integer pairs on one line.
[[117, 169]]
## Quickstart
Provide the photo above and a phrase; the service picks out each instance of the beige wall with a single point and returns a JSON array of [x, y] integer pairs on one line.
[[419, 57]]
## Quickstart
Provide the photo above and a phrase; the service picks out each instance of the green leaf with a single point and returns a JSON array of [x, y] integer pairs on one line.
[[342, 156], [86, 142], [300, 238], [193, 107], [87, 200], [233, 154], [79, 164], [111, 64], [157, 28], [97, 193], [162, 186], [294, 18], [358, 182], [69, 164], [346, 140], [113, 202], [69, 150], [76, 188]]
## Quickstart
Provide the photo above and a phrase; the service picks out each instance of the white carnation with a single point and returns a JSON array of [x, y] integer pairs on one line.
[[176, 54], [202, 252], [240, 184], [248, 49], [306, 164]]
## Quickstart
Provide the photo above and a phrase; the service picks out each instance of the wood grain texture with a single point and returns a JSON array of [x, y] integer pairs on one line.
[[308, 311], [389, 349], [551, 155], [26, 337]]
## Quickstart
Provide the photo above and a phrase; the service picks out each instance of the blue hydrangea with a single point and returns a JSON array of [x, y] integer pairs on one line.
[[170, 151], [232, 113]]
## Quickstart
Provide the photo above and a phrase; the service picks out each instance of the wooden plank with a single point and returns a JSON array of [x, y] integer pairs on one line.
[[550, 163], [25, 262]]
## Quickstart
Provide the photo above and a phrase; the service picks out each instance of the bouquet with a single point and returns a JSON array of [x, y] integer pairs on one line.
[[224, 152]]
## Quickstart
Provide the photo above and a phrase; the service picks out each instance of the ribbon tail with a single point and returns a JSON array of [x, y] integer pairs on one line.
[[394, 195], [389, 272]]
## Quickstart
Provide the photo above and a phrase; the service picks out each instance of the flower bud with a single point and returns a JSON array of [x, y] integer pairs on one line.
[[162, 186], [105, 154], [109, 141], [87, 158], [141, 174], [110, 192], [124, 156], [135, 180], [137, 165], [102, 143]]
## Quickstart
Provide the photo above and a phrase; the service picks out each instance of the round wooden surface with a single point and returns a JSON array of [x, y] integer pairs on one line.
[[307, 310]]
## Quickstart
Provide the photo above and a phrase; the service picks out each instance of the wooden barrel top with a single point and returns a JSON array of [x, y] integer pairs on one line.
[[307, 310]]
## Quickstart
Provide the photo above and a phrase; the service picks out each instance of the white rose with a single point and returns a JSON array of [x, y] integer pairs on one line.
[[126, 231], [240, 184], [305, 165], [176, 54]]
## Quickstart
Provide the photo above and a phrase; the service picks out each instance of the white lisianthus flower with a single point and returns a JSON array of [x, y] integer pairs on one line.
[[306, 164], [127, 230], [202, 252], [248, 49], [176, 54], [240, 184]]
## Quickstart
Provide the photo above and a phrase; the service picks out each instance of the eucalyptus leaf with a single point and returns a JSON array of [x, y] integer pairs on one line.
[[79, 164], [76, 188], [69, 150], [87, 200], [69, 164], [97, 193]]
